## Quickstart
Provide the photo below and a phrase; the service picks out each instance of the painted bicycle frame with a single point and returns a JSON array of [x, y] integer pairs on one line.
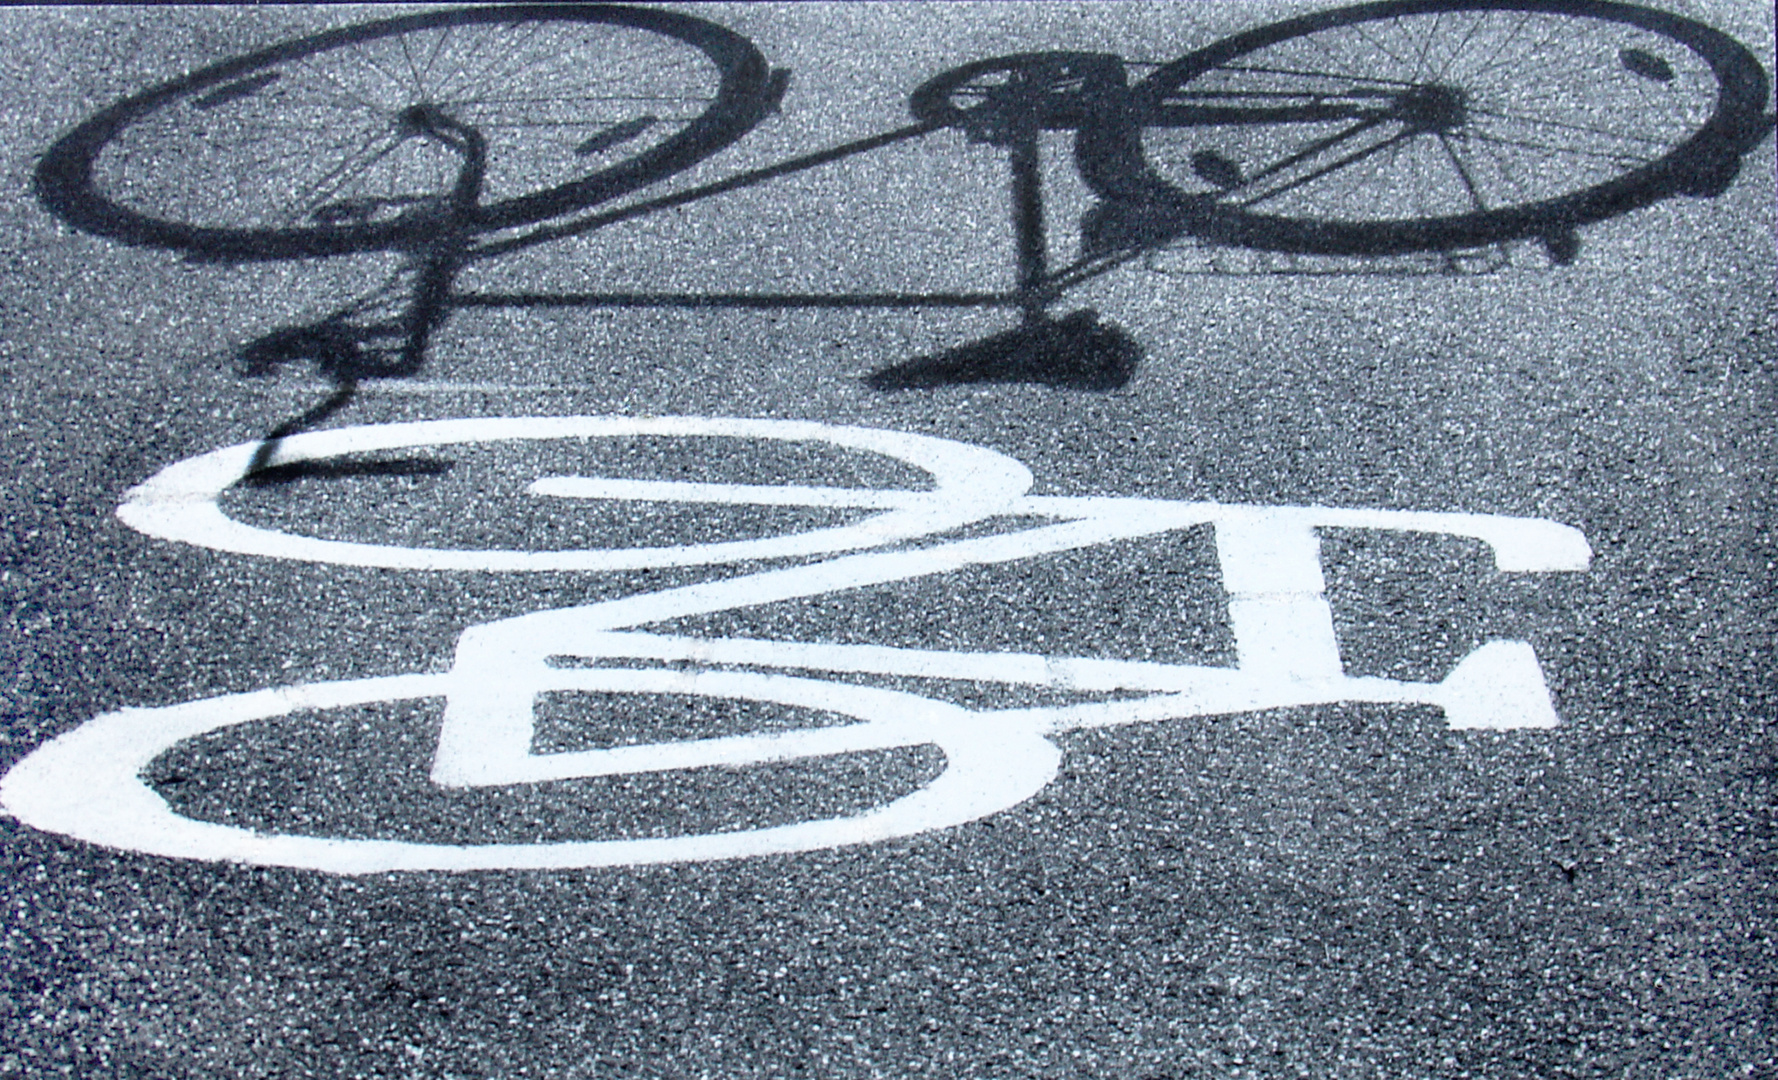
[[88, 783]]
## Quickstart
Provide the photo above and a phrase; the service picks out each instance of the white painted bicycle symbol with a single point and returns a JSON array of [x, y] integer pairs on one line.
[[88, 783]]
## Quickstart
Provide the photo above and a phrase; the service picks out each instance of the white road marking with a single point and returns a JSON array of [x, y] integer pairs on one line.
[[401, 387], [596, 487], [969, 483], [87, 783]]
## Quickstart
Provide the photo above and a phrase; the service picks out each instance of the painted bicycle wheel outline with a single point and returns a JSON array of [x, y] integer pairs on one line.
[[970, 483], [988, 767]]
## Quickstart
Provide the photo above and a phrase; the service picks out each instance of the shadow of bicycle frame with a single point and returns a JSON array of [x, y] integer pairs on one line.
[[1215, 196]]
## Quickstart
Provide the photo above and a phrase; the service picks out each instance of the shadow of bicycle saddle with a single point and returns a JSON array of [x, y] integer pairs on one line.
[[1076, 352]]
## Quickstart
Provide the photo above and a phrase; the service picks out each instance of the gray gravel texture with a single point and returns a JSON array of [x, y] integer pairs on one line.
[[1334, 892]]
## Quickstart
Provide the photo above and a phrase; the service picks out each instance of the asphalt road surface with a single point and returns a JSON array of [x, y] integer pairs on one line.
[[772, 632]]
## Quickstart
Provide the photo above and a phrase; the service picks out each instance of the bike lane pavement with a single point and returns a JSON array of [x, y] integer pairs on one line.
[[1324, 890]]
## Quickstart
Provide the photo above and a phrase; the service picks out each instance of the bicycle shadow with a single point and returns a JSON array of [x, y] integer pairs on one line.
[[1249, 146], [345, 350], [1076, 352]]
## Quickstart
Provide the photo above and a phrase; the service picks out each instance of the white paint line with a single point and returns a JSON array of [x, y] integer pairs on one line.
[[1519, 545], [406, 388], [593, 487], [1084, 674], [87, 782], [1498, 686], [969, 483]]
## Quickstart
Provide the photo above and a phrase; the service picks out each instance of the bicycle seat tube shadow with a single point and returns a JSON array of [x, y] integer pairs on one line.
[[1041, 92]]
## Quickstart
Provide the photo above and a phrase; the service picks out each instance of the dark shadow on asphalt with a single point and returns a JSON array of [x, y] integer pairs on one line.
[[1224, 196], [1076, 352], [274, 475]]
